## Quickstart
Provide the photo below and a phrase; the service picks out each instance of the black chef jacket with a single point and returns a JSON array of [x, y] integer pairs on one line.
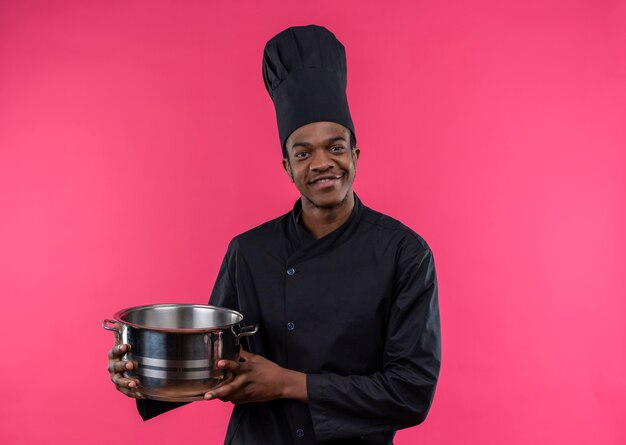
[[356, 311]]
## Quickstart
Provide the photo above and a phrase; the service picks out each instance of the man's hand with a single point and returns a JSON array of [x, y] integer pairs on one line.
[[117, 366], [259, 380]]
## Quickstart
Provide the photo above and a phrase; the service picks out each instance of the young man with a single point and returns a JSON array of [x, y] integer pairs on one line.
[[348, 348]]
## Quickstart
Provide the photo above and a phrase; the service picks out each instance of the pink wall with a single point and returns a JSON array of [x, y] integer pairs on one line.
[[136, 138]]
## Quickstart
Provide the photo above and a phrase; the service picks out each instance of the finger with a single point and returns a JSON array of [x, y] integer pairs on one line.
[[229, 365], [118, 350], [131, 393], [230, 378], [222, 394], [122, 382], [235, 367], [116, 366], [225, 391]]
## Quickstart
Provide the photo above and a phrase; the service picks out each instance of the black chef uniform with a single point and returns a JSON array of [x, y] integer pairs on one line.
[[356, 310]]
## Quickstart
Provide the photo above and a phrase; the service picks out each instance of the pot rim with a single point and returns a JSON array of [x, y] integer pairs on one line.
[[118, 317]]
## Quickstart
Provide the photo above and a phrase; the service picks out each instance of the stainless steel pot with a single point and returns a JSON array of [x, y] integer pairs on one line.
[[177, 346]]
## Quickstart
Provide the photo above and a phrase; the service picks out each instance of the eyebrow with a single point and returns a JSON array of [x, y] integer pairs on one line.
[[326, 142]]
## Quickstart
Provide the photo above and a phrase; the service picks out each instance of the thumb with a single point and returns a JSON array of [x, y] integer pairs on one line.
[[245, 355]]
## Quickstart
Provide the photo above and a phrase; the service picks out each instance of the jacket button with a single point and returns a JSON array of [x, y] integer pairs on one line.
[[291, 326], [300, 432], [291, 271]]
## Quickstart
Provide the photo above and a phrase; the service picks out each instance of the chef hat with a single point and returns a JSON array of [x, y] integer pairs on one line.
[[304, 69]]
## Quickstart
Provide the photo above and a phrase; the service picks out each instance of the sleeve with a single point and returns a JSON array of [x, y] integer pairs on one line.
[[225, 290], [224, 294], [400, 395]]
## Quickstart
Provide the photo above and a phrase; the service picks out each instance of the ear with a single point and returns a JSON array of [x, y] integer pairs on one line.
[[356, 152], [287, 167]]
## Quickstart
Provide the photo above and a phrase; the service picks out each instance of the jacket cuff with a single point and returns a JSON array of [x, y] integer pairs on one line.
[[322, 423]]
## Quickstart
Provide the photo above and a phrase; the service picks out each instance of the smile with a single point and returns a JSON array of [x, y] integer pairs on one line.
[[326, 179]]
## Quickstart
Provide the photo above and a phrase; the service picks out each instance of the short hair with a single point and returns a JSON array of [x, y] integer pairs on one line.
[[352, 144]]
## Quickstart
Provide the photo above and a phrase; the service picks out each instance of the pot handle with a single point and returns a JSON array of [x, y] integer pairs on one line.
[[105, 325], [246, 331]]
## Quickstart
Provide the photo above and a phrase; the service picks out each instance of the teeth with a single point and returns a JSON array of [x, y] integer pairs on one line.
[[325, 179]]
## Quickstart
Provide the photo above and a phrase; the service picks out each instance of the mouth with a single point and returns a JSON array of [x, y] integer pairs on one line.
[[325, 180]]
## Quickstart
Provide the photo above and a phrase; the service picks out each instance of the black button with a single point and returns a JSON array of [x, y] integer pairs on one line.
[[300, 432], [291, 326], [291, 271]]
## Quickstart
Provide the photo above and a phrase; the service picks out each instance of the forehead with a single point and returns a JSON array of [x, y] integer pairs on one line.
[[317, 132]]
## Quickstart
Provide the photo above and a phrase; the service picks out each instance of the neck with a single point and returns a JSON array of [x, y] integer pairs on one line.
[[320, 221]]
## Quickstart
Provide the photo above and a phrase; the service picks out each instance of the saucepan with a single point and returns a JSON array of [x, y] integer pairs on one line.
[[176, 347]]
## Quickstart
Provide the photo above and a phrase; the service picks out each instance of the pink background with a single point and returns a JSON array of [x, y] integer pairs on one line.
[[136, 138]]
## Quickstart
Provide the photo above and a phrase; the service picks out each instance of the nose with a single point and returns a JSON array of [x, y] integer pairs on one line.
[[321, 161]]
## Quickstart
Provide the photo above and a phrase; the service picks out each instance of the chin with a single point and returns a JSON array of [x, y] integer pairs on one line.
[[327, 202]]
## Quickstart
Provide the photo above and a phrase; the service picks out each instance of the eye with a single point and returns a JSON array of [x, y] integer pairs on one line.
[[337, 148], [301, 154]]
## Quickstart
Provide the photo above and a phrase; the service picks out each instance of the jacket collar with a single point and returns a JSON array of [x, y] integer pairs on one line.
[[303, 242]]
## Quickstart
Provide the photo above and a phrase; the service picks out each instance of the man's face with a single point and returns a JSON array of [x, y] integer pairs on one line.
[[321, 163]]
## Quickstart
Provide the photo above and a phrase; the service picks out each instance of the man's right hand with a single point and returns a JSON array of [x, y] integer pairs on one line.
[[117, 366]]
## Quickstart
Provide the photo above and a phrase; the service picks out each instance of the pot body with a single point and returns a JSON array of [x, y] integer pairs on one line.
[[176, 347]]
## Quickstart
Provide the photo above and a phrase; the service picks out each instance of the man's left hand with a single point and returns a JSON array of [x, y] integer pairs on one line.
[[258, 379]]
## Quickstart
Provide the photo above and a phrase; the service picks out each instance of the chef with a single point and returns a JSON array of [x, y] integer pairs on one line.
[[348, 347]]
